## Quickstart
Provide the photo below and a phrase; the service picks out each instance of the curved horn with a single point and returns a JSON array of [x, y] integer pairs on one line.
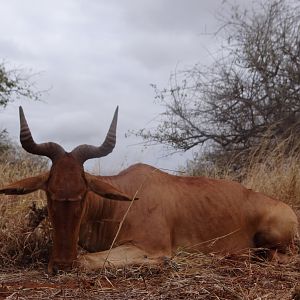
[[51, 150], [85, 152]]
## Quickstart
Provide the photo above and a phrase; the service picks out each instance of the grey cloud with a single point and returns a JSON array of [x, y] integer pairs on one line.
[[172, 15], [161, 50], [95, 55]]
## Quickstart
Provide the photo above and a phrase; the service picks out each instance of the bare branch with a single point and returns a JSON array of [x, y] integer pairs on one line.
[[252, 89]]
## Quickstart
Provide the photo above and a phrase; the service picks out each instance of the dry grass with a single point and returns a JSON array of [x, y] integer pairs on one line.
[[18, 244], [24, 251], [186, 276], [275, 174]]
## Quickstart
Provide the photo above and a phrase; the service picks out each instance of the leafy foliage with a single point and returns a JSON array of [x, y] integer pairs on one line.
[[14, 84]]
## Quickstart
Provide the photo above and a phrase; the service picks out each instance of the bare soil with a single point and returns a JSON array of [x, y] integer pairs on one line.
[[187, 276]]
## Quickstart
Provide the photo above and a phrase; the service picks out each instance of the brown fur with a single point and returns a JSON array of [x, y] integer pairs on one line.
[[194, 213]]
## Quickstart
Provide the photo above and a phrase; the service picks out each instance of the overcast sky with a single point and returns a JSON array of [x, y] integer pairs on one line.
[[94, 55]]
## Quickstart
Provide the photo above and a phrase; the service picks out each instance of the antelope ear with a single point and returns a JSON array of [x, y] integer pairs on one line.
[[26, 186], [106, 190]]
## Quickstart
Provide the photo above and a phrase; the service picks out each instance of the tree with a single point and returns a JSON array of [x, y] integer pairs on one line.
[[14, 84], [251, 93]]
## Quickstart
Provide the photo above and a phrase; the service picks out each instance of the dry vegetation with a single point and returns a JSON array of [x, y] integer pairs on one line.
[[17, 243], [276, 174], [24, 251]]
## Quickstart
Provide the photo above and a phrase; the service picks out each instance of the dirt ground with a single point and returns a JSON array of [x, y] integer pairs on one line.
[[188, 276]]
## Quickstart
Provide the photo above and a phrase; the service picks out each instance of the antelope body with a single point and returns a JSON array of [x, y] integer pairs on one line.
[[171, 212]]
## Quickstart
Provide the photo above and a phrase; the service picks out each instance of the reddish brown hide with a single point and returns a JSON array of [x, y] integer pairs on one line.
[[66, 188], [194, 213]]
